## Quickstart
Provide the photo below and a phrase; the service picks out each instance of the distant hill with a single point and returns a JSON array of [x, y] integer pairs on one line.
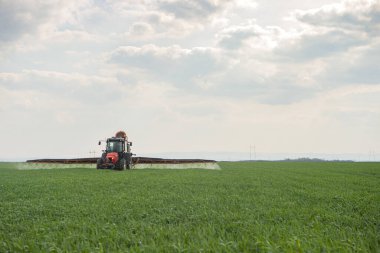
[[302, 159]]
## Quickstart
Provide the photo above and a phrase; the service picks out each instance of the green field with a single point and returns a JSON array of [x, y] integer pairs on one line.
[[244, 207]]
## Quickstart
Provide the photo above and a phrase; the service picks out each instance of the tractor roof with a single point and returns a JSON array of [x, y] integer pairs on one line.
[[115, 139]]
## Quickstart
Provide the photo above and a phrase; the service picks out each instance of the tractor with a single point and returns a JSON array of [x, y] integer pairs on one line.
[[117, 155]]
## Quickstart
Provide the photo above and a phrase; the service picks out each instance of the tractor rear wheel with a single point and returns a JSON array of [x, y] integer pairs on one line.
[[128, 159]]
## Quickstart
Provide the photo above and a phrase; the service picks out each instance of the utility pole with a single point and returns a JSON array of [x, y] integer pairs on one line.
[[254, 152], [372, 156]]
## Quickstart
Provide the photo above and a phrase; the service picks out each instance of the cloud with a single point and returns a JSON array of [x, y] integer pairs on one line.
[[176, 65], [20, 18], [363, 16], [209, 72], [249, 35], [67, 36], [140, 29], [345, 37], [357, 66], [165, 18], [264, 81], [278, 66], [246, 4], [266, 64], [74, 87], [317, 44], [196, 9]]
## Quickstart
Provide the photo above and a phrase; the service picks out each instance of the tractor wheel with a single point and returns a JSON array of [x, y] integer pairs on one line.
[[99, 164], [120, 165]]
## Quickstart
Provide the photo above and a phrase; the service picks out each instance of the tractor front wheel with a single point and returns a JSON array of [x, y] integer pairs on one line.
[[120, 165]]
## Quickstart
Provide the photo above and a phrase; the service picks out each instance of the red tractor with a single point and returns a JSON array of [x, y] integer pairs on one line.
[[117, 155]]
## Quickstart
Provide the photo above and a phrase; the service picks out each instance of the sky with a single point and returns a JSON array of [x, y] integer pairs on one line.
[[180, 76]]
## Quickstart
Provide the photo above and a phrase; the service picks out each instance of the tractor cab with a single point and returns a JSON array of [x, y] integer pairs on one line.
[[115, 145]]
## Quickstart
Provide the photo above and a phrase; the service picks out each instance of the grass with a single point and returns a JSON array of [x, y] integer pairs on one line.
[[245, 207]]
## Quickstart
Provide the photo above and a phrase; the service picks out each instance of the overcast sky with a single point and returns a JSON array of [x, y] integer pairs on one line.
[[296, 76]]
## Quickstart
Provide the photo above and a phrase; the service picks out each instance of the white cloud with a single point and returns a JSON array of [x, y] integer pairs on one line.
[[197, 9], [166, 18], [20, 18], [250, 35], [359, 65], [140, 29], [363, 16], [179, 66], [319, 44], [73, 87], [246, 4], [286, 66]]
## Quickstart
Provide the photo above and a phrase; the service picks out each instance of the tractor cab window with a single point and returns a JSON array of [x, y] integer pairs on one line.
[[114, 146]]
